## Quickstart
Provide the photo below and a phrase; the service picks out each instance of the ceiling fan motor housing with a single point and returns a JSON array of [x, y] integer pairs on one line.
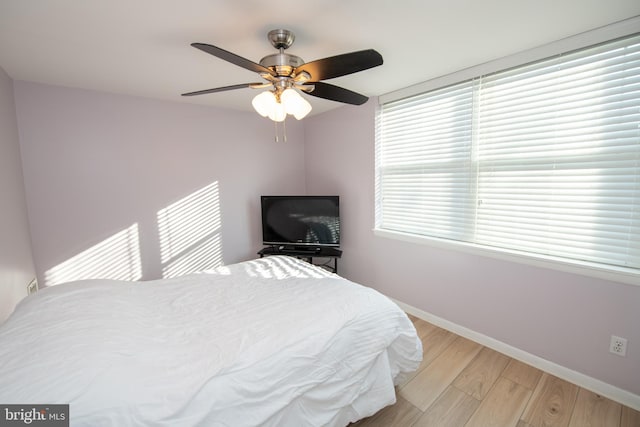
[[283, 63]]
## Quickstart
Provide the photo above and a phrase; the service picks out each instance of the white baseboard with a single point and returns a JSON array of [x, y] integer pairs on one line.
[[599, 387]]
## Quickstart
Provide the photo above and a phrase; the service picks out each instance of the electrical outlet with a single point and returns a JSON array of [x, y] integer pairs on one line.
[[32, 287], [618, 346]]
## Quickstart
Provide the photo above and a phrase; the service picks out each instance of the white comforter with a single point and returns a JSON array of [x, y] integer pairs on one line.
[[272, 342]]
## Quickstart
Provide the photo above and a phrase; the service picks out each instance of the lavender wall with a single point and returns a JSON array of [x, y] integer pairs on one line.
[[155, 188], [16, 264], [564, 318], [110, 175]]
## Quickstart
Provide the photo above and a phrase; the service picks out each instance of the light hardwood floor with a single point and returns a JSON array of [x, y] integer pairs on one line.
[[463, 384]]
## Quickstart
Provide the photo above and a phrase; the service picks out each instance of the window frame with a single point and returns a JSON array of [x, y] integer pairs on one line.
[[600, 35]]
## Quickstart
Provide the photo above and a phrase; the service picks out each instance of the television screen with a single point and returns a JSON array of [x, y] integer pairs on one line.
[[309, 221]]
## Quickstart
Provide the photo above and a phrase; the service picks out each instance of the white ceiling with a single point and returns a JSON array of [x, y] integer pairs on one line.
[[141, 47]]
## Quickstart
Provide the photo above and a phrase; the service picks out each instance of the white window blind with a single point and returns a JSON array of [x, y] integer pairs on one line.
[[542, 159]]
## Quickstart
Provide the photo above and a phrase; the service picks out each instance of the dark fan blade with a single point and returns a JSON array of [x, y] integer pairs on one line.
[[233, 58], [336, 93], [221, 89], [341, 65]]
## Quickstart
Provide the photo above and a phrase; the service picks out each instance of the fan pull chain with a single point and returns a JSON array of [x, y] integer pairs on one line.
[[284, 131]]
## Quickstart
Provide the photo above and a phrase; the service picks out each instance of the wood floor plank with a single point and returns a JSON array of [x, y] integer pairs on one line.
[[401, 414], [424, 328], [479, 376], [452, 409], [433, 344], [431, 399], [592, 410], [523, 374], [429, 383], [551, 403], [502, 407], [630, 417]]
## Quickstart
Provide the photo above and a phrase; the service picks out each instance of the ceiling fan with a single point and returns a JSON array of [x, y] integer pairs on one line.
[[283, 73]]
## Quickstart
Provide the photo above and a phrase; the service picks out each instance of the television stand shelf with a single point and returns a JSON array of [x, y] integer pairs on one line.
[[306, 254]]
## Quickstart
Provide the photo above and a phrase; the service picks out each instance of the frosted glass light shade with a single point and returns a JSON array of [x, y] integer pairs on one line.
[[267, 105], [278, 112], [295, 104], [264, 103], [303, 110]]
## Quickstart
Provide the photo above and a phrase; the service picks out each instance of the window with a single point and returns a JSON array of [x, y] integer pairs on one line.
[[540, 159]]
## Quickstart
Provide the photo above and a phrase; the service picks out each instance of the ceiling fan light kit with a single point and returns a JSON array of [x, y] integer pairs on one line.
[[277, 106], [286, 74]]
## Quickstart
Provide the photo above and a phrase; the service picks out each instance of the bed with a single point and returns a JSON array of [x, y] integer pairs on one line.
[[269, 342]]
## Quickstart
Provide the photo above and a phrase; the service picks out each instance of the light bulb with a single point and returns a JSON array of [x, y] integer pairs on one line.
[[264, 103]]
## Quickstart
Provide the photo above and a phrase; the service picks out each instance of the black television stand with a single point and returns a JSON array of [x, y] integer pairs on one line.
[[306, 253]]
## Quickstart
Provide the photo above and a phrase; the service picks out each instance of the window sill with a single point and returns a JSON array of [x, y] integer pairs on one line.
[[629, 276]]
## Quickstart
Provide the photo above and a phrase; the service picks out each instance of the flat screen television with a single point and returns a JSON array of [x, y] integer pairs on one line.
[[301, 222]]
